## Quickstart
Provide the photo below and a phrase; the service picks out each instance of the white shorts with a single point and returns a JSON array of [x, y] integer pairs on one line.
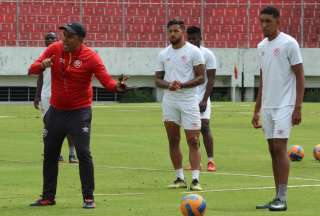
[[44, 104], [185, 114], [277, 123], [207, 113]]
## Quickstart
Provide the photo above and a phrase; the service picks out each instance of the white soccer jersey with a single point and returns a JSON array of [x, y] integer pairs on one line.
[[279, 82], [211, 63], [178, 65], [46, 86]]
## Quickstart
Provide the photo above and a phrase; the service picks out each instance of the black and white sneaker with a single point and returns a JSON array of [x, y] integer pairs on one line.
[[265, 206], [178, 183], [278, 205], [195, 185], [73, 159]]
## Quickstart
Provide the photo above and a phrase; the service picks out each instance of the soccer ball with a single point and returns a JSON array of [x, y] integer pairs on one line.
[[296, 153], [193, 205], [316, 152]]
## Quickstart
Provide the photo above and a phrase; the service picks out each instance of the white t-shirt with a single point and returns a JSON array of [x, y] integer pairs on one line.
[[279, 81], [46, 85], [211, 63], [178, 65]]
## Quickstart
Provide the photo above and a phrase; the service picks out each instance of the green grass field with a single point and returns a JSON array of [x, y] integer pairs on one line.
[[132, 166]]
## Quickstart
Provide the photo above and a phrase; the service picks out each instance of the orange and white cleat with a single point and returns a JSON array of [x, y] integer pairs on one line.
[[211, 167]]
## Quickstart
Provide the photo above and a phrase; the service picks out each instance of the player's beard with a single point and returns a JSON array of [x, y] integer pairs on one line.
[[174, 42], [269, 33]]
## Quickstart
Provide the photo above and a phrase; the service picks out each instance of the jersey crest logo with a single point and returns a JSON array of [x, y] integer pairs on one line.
[[276, 51], [184, 59], [77, 63]]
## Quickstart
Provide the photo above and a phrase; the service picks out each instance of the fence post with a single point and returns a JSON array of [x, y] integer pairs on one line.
[[248, 23], [9, 94], [123, 23], [202, 16], [167, 19], [81, 11], [28, 94], [302, 24], [17, 23]]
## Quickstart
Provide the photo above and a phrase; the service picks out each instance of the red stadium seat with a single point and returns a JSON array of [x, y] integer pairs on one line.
[[225, 22]]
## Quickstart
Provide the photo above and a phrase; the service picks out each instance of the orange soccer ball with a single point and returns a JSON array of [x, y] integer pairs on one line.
[[193, 204], [296, 153], [316, 152]]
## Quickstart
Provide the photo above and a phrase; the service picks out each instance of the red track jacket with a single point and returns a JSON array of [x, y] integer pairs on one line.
[[71, 76]]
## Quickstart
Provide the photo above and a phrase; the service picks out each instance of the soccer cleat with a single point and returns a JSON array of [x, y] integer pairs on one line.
[[73, 159], [88, 204], [278, 205], [211, 167], [60, 159], [43, 202], [195, 185], [178, 183], [265, 206]]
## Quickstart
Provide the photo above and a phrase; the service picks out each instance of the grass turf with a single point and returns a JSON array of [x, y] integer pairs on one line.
[[132, 166]]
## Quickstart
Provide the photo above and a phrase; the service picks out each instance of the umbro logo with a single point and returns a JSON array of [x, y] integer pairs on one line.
[[85, 129], [44, 133], [77, 63]]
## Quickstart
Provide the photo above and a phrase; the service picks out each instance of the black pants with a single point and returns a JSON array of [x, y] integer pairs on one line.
[[58, 124]]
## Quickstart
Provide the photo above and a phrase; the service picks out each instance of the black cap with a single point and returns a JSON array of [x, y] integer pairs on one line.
[[50, 35], [74, 28]]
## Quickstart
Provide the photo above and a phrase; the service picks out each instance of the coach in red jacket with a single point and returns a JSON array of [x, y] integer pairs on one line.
[[72, 68]]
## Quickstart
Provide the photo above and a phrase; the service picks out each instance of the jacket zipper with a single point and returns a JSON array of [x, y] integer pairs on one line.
[[65, 71]]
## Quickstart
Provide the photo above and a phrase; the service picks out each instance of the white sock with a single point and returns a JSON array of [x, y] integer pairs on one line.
[[71, 150], [210, 158], [195, 174], [179, 173], [282, 192]]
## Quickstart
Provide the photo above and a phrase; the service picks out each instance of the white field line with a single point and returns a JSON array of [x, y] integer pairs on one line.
[[127, 106], [163, 170], [250, 188], [107, 135], [133, 168], [189, 192], [158, 105], [259, 176], [119, 194], [215, 173], [99, 194], [7, 116], [129, 110]]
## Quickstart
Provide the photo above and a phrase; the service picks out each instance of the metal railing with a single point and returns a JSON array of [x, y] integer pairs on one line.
[[18, 93]]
